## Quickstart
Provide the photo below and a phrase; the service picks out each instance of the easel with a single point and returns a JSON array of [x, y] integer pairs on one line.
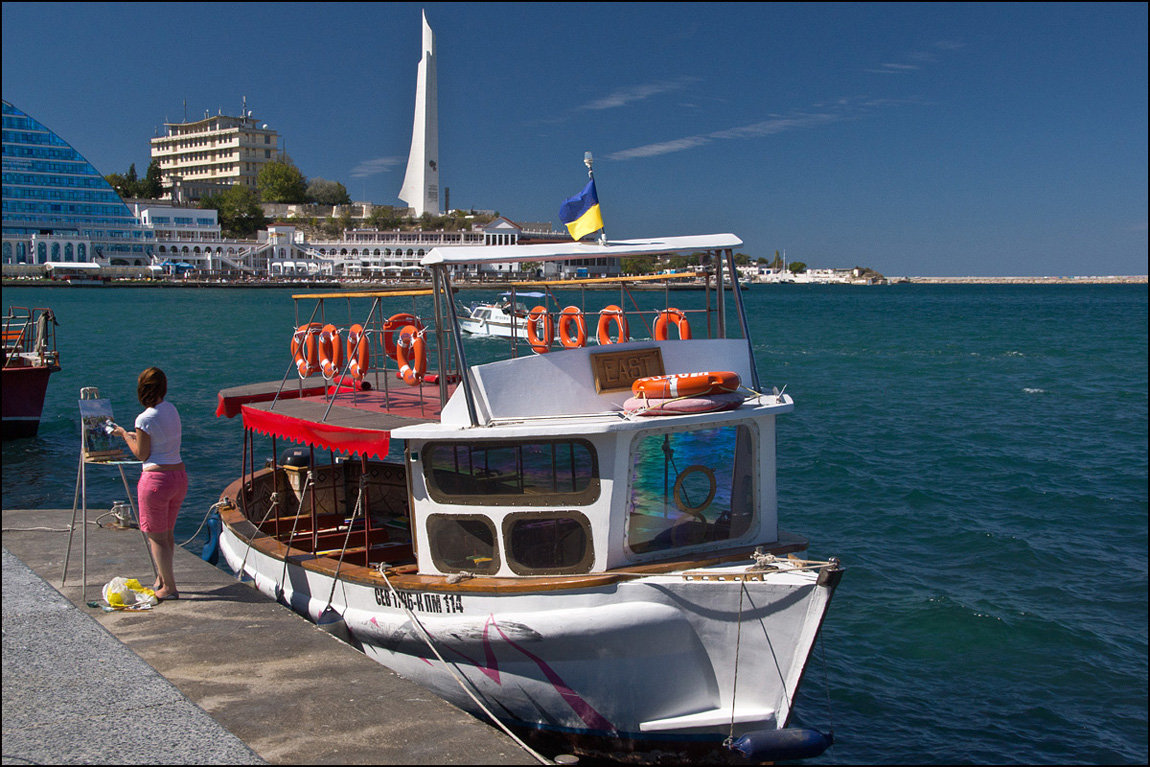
[[93, 412]]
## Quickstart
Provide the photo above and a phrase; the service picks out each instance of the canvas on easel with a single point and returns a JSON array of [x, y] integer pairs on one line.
[[99, 444]]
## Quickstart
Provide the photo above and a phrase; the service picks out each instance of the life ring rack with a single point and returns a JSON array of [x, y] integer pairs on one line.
[[398, 322], [358, 352], [330, 345], [571, 319], [305, 348], [539, 317], [672, 316], [614, 314], [411, 369]]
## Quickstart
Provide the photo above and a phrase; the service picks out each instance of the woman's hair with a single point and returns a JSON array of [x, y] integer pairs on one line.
[[151, 387]]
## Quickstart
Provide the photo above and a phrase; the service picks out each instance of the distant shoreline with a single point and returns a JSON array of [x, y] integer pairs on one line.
[[1127, 279], [358, 286]]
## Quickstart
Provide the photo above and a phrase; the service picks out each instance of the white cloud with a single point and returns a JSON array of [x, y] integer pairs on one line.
[[894, 69], [767, 127], [375, 167], [624, 96], [665, 147]]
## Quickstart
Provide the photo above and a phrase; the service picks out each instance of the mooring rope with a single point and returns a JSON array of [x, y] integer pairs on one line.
[[275, 501], [735, 679], [203, 522], [461, 680]]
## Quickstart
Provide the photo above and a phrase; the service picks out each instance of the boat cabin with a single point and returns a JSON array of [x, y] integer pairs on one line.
[[562, 482]]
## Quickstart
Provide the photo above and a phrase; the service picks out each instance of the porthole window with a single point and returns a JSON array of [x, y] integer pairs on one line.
[[548, 543], [462, 542]]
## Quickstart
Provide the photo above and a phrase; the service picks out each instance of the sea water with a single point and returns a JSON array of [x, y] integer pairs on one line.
[[975, 455]]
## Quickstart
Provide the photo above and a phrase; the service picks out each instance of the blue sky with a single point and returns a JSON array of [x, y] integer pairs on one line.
[[917, 139]]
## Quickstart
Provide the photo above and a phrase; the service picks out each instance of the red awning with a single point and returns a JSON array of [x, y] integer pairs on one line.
[[370, 442]]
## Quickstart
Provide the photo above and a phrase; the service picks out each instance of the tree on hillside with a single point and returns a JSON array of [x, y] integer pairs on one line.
[[324, 192], [130, 185], [384, 217], [281, 181], [127, 185], [239, 209], [152, 188]]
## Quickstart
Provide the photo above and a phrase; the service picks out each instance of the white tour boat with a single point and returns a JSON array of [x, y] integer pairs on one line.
[[582, 543], [505, 318]]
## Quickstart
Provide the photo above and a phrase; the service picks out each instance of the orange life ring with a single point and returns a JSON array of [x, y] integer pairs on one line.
[[663, 324], [686, 384], [358, 352], [330, 351], [304, 349], [412, 369], [572, 314], [537, 317], [397, 322], [612, 313]]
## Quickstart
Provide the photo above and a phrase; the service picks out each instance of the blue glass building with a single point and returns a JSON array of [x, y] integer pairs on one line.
[[58, 208]]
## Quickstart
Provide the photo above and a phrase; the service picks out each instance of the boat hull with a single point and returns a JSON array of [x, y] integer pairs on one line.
[[23, 399], [496, 328], [640, 666]]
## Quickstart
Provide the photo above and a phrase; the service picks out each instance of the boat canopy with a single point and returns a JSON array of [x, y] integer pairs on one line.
[[565, 251]]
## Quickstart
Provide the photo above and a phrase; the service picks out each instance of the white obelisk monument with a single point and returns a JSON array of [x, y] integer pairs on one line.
[[421, 184]]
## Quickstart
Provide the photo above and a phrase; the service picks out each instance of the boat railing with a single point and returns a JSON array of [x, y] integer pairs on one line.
[[380, 333], [29, 337]]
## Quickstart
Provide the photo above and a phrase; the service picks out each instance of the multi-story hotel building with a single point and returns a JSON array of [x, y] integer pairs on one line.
[[210, 155], [58, 208]]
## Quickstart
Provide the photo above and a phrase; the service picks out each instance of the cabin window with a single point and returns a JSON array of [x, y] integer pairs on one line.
[[462, 543], [690, 488], [506, 473], [546, 543]]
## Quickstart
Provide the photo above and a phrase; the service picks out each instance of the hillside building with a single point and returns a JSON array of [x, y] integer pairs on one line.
[[210, 155]]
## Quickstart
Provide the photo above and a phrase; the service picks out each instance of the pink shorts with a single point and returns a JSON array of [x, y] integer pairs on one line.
[[160, 494]]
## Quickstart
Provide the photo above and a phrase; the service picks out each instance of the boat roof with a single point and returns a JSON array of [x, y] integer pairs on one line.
[[564, 251]]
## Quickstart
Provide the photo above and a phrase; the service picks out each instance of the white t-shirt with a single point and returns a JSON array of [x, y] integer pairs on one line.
[[162, 425]]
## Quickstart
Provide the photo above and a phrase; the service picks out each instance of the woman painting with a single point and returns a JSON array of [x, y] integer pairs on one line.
[[163, 482]]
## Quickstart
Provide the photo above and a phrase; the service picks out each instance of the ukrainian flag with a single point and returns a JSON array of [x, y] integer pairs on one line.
[[581, 212]]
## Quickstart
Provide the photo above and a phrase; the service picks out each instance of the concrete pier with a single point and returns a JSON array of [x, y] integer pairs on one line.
[[223, 675]]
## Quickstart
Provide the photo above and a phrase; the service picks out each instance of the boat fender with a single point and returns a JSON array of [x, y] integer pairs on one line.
[[540, 319], [332, 622], [664, 321], [614, 314], [787, 744], [572, 315], [211, 552]]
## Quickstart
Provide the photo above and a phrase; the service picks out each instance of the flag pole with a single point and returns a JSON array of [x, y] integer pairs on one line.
[[588, 160]]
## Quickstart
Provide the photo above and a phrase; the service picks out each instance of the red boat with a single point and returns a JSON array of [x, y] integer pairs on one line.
[[30, 356]]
